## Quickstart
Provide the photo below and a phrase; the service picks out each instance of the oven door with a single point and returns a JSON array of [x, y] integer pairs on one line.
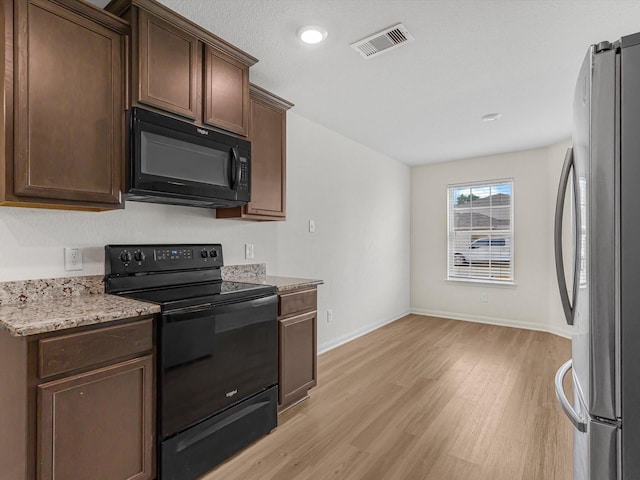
[[213, 358]]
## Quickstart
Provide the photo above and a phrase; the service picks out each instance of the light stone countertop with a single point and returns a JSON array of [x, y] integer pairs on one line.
[[283, 284], [41, 316], [30, 307]]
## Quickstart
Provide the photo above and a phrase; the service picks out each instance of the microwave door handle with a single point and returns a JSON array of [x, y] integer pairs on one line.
[[235, 168]]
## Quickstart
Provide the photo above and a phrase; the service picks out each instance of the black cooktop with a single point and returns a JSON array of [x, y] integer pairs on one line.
[[184, 296]]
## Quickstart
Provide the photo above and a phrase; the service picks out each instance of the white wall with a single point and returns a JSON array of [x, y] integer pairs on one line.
[[358, 198], [533, 302]]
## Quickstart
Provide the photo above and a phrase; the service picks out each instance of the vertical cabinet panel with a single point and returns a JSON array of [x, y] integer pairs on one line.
[[98, 425], [298, 352], [268, 135], [169, 66], [268, 161], [69, 105], [226, 92]]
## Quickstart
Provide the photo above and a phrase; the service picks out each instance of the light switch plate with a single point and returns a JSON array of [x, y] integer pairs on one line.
[[248, 251], [312, 226]]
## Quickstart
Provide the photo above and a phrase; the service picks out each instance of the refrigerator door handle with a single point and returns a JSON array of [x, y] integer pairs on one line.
[[578, 422], [567, 304]]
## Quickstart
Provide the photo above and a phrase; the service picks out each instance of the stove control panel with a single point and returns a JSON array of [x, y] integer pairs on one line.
[[162, 254], [132, 259]]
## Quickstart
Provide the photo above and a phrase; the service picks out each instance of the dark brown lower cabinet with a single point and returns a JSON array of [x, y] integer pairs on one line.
[[97, 425], [297, 327], [79, 404]]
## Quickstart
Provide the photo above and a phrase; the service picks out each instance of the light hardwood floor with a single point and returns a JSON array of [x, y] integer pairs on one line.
[[423, 398]]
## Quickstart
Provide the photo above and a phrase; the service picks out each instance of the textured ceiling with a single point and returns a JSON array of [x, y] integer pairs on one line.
[[422, 102]]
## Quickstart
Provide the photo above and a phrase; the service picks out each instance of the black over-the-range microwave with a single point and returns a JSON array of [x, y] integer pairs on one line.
[[176, 162]]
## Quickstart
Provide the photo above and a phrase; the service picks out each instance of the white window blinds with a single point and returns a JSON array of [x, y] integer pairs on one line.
[[480, 217]]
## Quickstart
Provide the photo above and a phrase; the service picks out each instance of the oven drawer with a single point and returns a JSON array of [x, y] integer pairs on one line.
[[298, 301], [194, 452], [66, 353]]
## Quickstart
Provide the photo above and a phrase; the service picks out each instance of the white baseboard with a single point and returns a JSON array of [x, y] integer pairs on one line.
[[336, 342], [562, 332]]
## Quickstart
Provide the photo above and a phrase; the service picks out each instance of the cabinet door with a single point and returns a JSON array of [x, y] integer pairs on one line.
[[267, 161], [69, 108], [98, 425], [298, 352], [226, 103], [170, 66]]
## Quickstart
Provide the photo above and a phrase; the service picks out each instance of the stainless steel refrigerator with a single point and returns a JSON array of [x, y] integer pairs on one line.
[[603, 303]]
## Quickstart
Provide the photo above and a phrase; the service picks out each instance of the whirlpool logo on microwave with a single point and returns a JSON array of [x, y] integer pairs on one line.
[[202, 131], [231, 393]]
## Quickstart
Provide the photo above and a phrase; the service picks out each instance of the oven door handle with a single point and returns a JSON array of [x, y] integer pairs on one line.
[[185, 316], [220, 309]]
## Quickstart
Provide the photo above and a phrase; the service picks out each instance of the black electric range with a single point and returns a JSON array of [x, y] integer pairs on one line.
[[217, 352]]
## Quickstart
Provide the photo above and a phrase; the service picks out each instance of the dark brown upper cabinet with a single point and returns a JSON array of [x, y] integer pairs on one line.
[[180, 68], [63, 105], [267, 132], [169, 60], [226, 96]]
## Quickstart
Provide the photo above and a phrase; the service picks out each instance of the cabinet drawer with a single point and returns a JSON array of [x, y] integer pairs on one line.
[[298, 301], [66, 353]]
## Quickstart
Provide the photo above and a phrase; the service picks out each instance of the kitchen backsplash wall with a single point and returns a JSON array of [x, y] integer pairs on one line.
[[358, 198], [33, 239]]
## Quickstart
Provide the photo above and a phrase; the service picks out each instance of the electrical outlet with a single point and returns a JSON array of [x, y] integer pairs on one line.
[[312, 226], [484, 297], [329, 316], [72, 259], [248, 251]]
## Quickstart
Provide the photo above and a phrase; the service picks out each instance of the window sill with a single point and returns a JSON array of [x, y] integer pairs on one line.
[[484, 283]]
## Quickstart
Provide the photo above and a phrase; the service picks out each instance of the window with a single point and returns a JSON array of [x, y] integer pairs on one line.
[[481, 231]]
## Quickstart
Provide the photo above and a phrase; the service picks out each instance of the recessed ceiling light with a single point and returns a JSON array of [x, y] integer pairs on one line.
[[490, 117], [312, 34]]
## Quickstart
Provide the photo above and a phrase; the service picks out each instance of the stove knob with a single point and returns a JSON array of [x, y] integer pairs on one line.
[[213, 253], [125, 257], [204, 254], [139, 256]]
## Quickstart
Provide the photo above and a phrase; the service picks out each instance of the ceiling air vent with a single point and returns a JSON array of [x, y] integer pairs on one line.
[[383, 41]]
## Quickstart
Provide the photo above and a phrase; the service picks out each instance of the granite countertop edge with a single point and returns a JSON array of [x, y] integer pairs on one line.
[[282, 284], [52, 315], [33, 307]]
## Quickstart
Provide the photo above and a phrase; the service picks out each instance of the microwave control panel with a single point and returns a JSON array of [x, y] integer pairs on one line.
[[244, 175]]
